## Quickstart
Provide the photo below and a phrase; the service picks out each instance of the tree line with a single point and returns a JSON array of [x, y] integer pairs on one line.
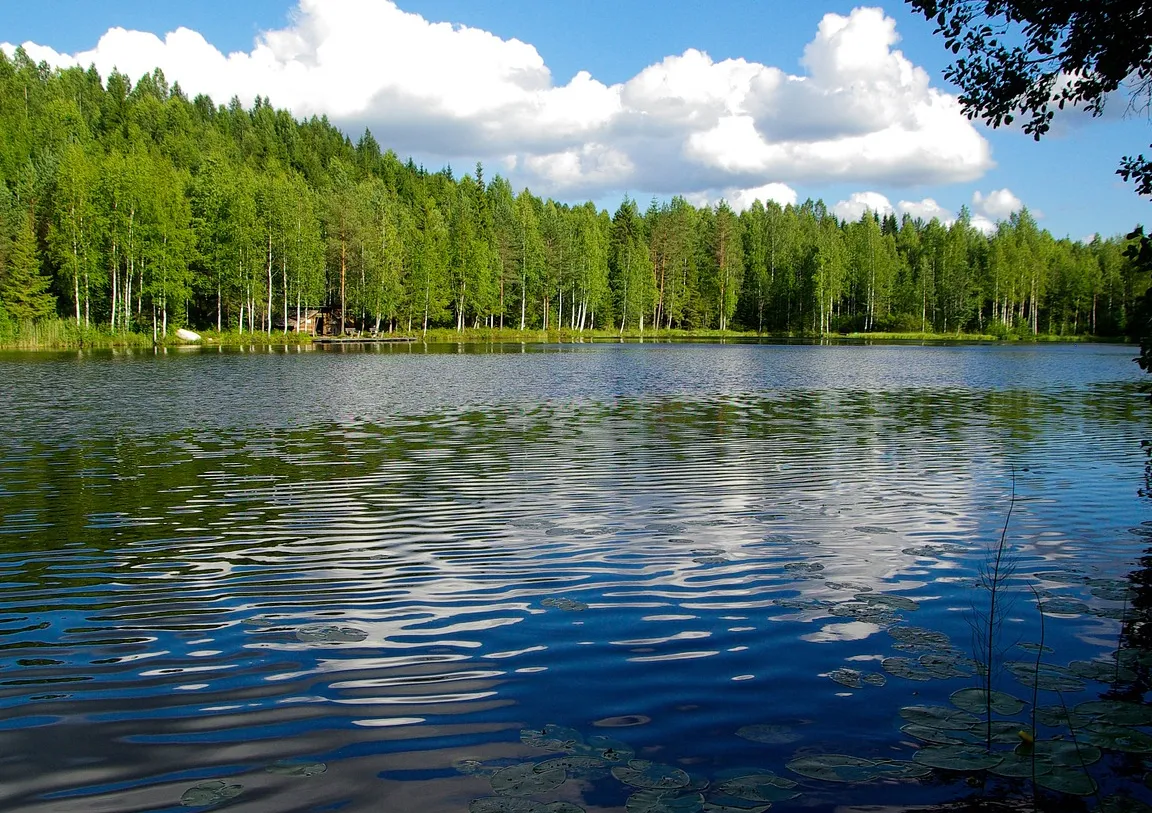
[[130, 206]]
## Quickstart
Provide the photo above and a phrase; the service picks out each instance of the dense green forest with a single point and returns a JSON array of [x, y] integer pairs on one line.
[[128, 206]]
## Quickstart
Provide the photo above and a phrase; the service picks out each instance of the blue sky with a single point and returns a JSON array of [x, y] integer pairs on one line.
[[657, 110]]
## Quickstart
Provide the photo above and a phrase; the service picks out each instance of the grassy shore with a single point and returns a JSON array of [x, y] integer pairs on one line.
[[62, 334]]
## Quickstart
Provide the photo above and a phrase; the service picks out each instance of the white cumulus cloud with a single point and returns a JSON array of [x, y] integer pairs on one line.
[[860, 202], [999, 204], [859, 112]]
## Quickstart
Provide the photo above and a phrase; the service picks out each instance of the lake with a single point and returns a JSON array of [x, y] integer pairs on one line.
[[553, 578]]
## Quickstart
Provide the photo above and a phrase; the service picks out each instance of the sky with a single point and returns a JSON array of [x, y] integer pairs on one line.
[[598, 99]]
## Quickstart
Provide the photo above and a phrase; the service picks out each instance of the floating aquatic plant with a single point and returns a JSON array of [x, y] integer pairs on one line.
[[294, 767], [649, 800], [854, 679], [575, 766], [978, 700], [956, 757], [330, 634], [552, 738], [210, 793], [940, 717], [763, 787], [526, 780], [640, 773], [511, 804], [834, 768], [568, 605], [1117, 712]]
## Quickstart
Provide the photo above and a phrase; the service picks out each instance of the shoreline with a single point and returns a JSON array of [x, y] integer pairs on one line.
[[56, 339]]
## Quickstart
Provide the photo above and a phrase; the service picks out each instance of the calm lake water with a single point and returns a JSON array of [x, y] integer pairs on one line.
[[409, 579]]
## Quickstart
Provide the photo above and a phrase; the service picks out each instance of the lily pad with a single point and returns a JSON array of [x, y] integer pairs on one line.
[[938, 736], [1122, 803], [552, 738], [855, 679], [769, 734], [504, 804], [1059, 717], [293, 767], [939, 717], [727, 805], [1067, 780], [1020, 766], [1062, 753], [606, 748], [834, 768], [976, 701], [767, 787], [330, 634], [956, 757], [563, 807], [888, 600], [1064, 606], [1029, 646], [210, 793], [578, 767], [525, 780], [566, 604], [1045, 676], [476, 767], [1117, 712], [664, 801], [920, 637], [640, 773], [1102, 671], [1119, 738], [899, 769]]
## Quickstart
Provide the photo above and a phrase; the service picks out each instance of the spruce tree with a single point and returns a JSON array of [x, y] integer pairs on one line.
[[24, 290]]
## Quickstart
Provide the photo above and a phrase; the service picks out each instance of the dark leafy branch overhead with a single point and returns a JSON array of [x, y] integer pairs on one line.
[[1027, 59]]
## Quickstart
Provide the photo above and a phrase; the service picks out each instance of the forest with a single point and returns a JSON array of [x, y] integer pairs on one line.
[[129, 208]]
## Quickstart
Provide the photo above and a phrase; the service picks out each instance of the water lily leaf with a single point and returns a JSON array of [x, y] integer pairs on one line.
[[525, 780], [1045, 676], [1122, 803], [576, 766], [552, 738], [888, 600], [1113, 592], [899, 769], [504, 804], [855, 679], [1020, 766], [1068, 780], [293, 767], [1028, 646], [956, 757], [476, 767], [834, 768], [766, 787], [1063, 606], [939, 717], [769, 733], [606, 748], [1102, 671], [867, 613], [330, 634], [1119, 738], [803, 567], [1062, 753], [1061, 576], [566, 604], [918, 636], [938, 736], [976, 700], [640, 773], [1117, 712], [1059, 717], [907, 668], [725, 805], [664, 801], [855, 588], [563, 807], [210, 793]]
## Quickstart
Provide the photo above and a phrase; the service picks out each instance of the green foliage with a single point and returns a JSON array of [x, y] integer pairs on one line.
[[131, 207]]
